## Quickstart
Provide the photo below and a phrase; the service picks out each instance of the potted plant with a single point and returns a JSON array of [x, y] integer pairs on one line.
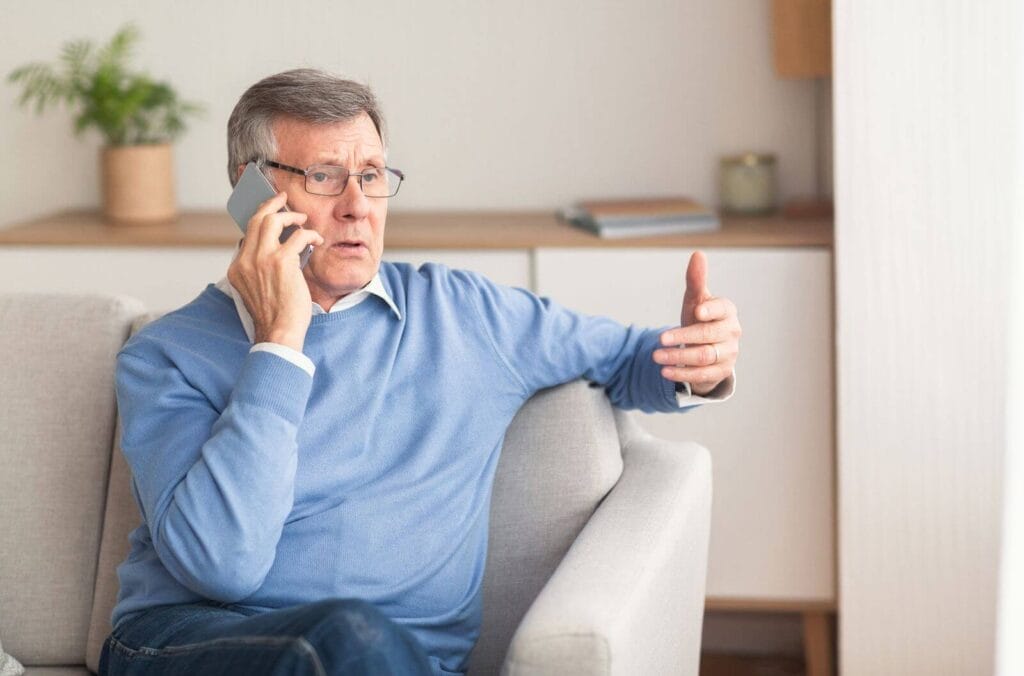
[[138, 117]]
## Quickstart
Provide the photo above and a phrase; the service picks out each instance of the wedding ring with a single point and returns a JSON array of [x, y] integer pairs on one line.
[[717, 356]]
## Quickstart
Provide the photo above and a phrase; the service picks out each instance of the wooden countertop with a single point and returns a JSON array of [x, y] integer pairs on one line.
[[417, 230]]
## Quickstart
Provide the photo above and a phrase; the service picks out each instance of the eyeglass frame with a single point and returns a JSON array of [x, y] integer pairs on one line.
[[305, 174]]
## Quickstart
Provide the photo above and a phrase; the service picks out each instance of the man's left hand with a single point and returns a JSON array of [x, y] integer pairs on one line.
[[702, 350]]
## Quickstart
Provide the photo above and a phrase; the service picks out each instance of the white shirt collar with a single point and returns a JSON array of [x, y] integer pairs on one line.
[[374, 287]]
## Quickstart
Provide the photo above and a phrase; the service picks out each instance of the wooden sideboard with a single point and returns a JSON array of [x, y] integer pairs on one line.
[[457, 230]]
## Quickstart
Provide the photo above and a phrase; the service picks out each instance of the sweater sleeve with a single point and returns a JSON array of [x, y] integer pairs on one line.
[[214, 488], [543, 344]]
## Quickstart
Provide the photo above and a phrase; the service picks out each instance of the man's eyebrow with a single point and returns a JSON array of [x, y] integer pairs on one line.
[[337, 161]]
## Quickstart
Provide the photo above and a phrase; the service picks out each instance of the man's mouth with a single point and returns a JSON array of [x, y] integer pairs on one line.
[[349, 247]]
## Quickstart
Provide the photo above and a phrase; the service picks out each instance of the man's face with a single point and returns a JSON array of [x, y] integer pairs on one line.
[[335, 269]]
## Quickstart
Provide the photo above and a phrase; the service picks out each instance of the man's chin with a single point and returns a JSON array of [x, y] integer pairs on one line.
[[341, 278], [337, 286]]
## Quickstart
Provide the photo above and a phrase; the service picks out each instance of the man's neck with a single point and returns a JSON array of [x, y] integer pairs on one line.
[[327, 301]]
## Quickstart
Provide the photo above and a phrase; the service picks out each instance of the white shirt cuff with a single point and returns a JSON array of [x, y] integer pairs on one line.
[[721, 393], [285, 352]]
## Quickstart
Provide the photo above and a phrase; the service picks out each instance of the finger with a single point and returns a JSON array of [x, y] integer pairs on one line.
[[272, 226], [714, 309], [697, 276], [698, 334], [298, 241], [697, 375], [270, 206], [250, 242], [259, 222], [697, 355]]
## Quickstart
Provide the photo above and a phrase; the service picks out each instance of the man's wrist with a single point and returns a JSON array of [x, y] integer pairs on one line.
[[287, 353], [281, 338], [701, 390]]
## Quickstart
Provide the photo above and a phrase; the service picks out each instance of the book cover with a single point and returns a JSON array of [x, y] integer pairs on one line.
[[664, 208], [641, 227]]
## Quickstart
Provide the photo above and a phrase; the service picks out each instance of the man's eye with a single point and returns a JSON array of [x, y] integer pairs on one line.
[[319, 176], [372, 174]]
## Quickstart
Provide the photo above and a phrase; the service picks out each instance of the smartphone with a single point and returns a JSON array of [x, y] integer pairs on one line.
[[252, 190]]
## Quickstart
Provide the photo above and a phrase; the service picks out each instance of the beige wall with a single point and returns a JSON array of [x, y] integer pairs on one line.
[[496, 105]]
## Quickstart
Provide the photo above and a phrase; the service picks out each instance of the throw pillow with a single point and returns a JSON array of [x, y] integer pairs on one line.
[[8, 665]]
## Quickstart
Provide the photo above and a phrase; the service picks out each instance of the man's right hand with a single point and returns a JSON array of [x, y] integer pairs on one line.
[[266, 274]]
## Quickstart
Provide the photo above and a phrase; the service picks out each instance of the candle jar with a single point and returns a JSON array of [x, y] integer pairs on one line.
[[747, 184]]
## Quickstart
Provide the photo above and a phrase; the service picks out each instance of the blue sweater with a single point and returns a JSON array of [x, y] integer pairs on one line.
[[261, 486]]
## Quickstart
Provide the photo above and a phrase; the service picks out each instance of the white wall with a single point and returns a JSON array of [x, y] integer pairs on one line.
[[492, 105], [926, 117]]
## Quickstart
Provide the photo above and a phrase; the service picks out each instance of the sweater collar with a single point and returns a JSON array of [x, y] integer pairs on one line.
[[375, 287]]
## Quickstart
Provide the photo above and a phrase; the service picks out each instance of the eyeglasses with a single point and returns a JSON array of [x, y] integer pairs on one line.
[[329, 180]]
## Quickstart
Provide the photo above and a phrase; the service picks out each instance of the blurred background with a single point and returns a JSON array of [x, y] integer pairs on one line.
[[867, 515]]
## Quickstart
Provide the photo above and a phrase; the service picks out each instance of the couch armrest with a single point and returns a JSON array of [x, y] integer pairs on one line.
[[628, 598]]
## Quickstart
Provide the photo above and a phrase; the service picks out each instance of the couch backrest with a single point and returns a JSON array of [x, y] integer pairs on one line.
[[56, 425]]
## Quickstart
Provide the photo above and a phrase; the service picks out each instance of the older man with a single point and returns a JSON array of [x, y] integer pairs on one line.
[[313, 450]]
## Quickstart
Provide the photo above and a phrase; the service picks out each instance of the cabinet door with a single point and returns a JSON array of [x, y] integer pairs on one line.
[[162, 278], [772, 534]]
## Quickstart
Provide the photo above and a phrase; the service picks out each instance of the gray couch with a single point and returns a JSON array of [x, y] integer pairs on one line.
[[599, 532]]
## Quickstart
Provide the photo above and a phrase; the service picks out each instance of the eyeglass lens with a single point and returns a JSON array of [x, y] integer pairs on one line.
[[325, 179]]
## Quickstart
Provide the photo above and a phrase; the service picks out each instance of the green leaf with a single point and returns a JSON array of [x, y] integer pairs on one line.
[[103, 93], [117, 51], [76, 56]]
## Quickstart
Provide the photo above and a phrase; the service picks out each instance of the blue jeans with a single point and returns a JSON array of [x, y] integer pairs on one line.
[[337, 636]]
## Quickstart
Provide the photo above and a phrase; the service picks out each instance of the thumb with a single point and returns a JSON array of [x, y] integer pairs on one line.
[[696, 288], [697, 278]]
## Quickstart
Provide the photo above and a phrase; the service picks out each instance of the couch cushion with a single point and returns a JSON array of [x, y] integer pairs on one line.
[[121, 518], [57, 359], [8, 665], [560, 458]]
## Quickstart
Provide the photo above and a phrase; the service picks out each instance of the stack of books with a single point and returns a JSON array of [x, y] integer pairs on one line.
[[641, 217]]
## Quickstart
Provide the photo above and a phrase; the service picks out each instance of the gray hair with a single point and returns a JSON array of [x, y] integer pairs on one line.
[[304, 94]]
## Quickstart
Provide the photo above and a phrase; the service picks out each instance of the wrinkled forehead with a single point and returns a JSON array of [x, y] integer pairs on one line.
[[350, 141]]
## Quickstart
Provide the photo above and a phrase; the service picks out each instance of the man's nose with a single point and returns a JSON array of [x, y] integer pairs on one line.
[[351, 204]]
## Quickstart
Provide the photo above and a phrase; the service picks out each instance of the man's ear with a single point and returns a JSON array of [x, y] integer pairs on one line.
[[238, 174]]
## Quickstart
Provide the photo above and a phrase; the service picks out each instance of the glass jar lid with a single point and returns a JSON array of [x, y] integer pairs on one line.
[[749, 159]]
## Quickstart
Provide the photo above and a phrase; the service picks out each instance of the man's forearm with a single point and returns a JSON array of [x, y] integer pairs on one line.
[[217, 526]]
